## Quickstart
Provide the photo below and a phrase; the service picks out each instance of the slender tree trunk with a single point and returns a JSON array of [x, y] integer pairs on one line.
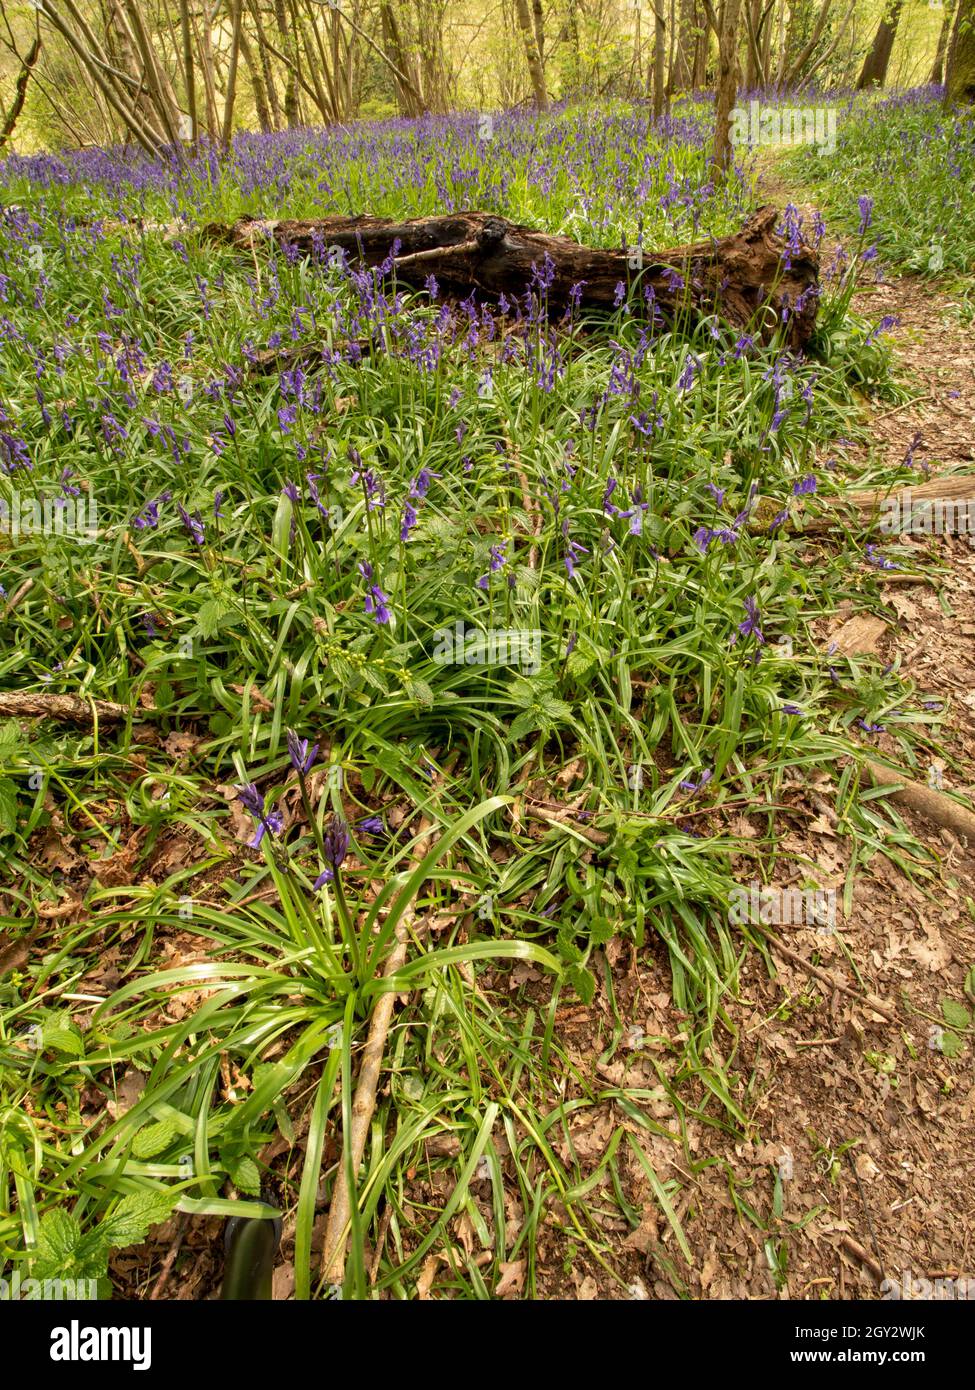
[[874, 70], [702, 48], [535, 69], [960, 69], [938, 67], [20, 92], [659, 52], [231, 95], [752, 17], [257, 84], [683, 74], [291, 110], [189, 69], [538, 23], [267, 71], [408, 93]]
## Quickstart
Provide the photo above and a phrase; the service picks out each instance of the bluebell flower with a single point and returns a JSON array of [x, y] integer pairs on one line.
[[691, 786], [268, 822], [750, 627], [302, 758]]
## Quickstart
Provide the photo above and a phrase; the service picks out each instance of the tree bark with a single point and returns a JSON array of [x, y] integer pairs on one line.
[[659, 52], [266, 68], [938, 67], [960, 69], [20, 91], [291, 109], [727, 27], [874, 70], [736, 276], [257, 85], [536, 70]]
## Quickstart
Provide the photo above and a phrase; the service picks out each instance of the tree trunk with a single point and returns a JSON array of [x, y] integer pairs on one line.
[[938, 67], [702, 46], [257, 85], [231, 93], [960, 69], [535, 69], [20, 92], [538, 23], [408, 93], [753, 16], [874, 70], [266, 70], [291, 110], [727, 80], [659, 52], [736, 276]]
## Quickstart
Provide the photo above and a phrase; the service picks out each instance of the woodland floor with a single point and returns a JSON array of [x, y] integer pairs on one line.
[[874, 1122]]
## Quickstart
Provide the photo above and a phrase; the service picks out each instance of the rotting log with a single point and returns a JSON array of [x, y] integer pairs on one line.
[[743, 277], [902, 508]]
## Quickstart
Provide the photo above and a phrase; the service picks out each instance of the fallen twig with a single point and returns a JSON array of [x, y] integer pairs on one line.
[[364, 1101], [870, 1000]]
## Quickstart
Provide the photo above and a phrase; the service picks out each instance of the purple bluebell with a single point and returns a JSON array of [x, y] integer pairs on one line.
[[302, 758], [750, 627], [691, 786], [268, 822]]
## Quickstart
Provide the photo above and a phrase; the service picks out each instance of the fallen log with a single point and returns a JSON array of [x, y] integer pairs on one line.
[[937, 506], [67, 709], [735, 276]]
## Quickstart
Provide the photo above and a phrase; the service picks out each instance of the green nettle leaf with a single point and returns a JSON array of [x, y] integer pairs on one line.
[[525, 723], [213, 615], [601, 930], [567, 947], [155, 1139], [12, 741], [8, 806], [420, 691], [60, 1034], [376, 679], [58, 1241], [244, 1173], [951, 1044], [556, 711], [130, 1222], [583, 981], [955, 1014]]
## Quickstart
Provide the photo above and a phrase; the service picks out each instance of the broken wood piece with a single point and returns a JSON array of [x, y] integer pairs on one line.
[[736, 276], [914, 510], [854, 1248], [68, 709], [935, 805], [858, 636]]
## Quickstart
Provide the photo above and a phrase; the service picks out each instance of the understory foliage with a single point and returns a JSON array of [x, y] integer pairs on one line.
[[314, 493]]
